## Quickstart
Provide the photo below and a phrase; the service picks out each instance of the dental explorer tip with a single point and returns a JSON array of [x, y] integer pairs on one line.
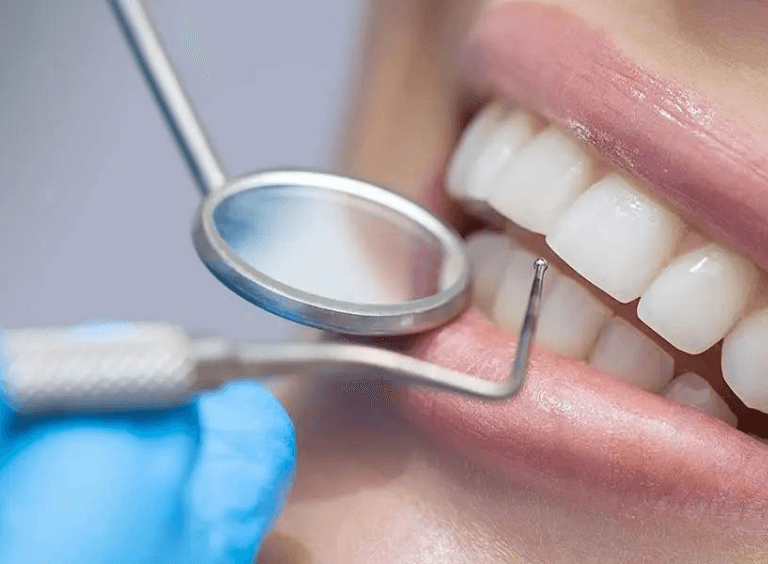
[[528, 330]]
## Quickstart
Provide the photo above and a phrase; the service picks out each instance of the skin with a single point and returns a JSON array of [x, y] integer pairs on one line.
[[370, 486]]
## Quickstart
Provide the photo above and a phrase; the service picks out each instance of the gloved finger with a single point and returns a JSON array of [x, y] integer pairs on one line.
[[94, 489], [114, 488], [245, 465]]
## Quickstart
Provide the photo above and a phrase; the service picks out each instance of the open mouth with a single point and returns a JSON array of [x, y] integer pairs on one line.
[[654, 324], [627, 264]]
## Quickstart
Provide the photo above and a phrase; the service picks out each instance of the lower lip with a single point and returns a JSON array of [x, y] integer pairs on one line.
[[587, 437]]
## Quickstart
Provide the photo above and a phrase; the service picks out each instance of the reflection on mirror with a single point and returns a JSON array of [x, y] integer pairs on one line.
[[333, 244]]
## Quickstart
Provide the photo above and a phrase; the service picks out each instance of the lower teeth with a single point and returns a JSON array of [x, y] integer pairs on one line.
[[576, 324], [623, 351], [691, 389]]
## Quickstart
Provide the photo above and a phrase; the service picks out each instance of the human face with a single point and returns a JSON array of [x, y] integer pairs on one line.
[[648, 118]]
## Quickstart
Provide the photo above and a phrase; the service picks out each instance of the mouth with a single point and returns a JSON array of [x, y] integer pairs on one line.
[[647, 382]]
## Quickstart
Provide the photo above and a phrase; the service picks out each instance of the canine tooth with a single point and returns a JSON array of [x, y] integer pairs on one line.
[[512, 296], [469, 147], [500, 148], [698, 297], [625, 352], [616, 237], [745, 360], [489, 253], [545, 176], [570, 318], [691, 389]]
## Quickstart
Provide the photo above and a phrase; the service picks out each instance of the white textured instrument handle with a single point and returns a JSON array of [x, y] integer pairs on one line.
[[146, 365], [123, 366]]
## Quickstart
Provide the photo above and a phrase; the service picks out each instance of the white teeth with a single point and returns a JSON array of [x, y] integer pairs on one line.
[[691, 389], [489, 142], [570, 318], [514, 289], [745, 360], [535, 187], [697, 298], [621, 240], [623, 351], [501, 148], [468, 148], [616, 237], [489, 254]]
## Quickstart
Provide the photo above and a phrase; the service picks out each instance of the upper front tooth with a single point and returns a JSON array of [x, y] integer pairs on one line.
[[489, 253], [623, 351], [488, 143], [691, 389], [745, 360], [616, 237], [570, 318], [535, 187], [698, 297]]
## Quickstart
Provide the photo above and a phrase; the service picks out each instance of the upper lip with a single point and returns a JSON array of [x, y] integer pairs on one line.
[[571, 430], [551, 62]]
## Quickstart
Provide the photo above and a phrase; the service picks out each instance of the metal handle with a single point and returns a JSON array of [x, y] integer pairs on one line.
[[169, 94], [145, 365], [340, 361], [157, 365]]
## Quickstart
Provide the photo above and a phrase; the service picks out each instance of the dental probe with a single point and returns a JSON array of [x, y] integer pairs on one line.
[[145, 365]]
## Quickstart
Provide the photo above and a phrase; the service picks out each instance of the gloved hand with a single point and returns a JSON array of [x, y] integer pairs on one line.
[[198, 484]]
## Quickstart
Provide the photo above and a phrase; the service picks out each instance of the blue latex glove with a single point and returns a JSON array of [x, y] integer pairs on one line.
[[199, 484]]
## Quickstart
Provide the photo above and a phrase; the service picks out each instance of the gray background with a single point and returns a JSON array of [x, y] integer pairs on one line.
[[95, 202]]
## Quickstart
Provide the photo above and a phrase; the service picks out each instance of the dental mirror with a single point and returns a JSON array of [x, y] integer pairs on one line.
[[322, 250], [333, 253]]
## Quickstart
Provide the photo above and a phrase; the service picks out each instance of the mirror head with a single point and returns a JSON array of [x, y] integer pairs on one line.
[[334, 253]]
